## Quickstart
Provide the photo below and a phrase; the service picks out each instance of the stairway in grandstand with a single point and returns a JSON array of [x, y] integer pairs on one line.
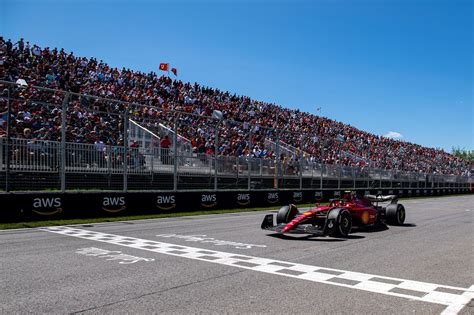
[[284, 148], [148, 142]]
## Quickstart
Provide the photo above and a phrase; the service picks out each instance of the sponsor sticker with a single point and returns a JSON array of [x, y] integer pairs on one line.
[[208, 200], [273, 197], [113, 204], [166, 202], [243, 199], [297, 196], [47, 205]]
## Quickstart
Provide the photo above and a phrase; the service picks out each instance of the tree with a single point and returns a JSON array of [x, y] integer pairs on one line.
[[463, 153]]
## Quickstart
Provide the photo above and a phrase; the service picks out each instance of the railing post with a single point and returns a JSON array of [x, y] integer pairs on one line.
[[278, 166], [109, 163], [380, 178], [175, 154], [301, 173], [125, 150], [63, 142], [8, 150], [301, 161], [321, 165], [237, 169], [216, 148], [339, 177], [249, 160], [354, 177]]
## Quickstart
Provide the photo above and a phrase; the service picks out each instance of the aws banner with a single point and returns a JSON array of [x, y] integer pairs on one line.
[[41, 206]]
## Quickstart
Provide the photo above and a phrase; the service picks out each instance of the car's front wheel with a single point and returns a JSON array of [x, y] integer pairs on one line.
[[341, 220], [287, 213]]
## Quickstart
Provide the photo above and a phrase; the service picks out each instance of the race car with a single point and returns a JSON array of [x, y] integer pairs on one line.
[[338, 218]]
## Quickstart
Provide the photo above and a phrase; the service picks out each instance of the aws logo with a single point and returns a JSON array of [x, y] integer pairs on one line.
[[208, 200], [337, 194], [379, 192], [417, 192], [367, 192], [273, 197], [166, 202], [297, 196], [409, 192], [113, 204], [47, 206], [400, 192], [390, 192], [243, 199], [318, 195], [425, 191]]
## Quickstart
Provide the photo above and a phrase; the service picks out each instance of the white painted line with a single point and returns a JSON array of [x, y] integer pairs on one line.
[[413, 290], [455, 308]]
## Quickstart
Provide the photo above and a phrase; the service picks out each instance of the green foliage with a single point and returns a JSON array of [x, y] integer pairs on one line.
[[463, 153]]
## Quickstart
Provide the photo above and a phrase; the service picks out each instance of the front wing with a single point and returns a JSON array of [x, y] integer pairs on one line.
[[269, 224]]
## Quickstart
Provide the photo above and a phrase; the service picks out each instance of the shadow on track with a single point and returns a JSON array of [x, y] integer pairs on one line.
[[315, 238], [378, 228], [408, 225]]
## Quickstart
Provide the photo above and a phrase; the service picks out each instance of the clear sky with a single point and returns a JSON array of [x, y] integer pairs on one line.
[[383, 66]]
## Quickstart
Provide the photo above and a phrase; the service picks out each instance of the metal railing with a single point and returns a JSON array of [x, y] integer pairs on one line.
[[38, 165]]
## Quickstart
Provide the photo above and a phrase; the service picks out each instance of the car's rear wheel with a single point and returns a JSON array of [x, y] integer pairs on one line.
[[287, 213], [395, 214], [341, 220]]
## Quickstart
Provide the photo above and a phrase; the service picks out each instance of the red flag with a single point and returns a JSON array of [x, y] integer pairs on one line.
[[175, 72], [164, 66]]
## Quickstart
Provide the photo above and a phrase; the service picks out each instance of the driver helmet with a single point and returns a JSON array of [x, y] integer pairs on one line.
[[360, 194]]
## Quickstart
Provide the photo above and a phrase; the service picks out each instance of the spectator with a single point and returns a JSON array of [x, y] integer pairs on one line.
[[88, 119], [165, 144]]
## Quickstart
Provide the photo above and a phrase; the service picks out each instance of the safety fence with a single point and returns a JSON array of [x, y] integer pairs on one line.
[[50, 165]]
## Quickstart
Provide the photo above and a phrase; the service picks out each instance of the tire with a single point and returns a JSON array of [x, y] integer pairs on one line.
[[286, 214], [395, 214], [342, 219]]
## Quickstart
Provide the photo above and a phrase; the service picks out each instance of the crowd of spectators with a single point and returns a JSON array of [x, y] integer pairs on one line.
[[249, 127]]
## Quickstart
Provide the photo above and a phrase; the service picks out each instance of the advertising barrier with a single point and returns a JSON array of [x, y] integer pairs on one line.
[[42, 206]]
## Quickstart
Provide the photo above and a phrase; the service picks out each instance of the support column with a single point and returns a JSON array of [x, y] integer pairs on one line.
[[63, 142], [125, 150], [175, 154]]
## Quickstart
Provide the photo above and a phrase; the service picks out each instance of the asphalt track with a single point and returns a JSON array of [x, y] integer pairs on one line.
[[226, 264]]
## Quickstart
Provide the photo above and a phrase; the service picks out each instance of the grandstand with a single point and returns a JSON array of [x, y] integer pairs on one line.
[[115, 117]]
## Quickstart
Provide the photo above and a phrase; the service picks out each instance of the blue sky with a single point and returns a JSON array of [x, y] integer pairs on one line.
[[381, 66]]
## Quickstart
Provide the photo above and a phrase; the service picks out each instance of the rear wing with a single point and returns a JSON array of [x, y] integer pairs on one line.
[[380, 198]]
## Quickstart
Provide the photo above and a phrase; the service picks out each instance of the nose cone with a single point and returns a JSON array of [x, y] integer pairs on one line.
[[287, 227]]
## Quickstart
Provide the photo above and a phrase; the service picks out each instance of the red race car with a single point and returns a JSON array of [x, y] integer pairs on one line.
[[339, 217]]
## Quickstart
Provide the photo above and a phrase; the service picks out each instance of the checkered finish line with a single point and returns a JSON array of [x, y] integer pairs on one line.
[[454, 298]]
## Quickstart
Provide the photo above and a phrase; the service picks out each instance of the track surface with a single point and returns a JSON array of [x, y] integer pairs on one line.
[[55, 269]]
